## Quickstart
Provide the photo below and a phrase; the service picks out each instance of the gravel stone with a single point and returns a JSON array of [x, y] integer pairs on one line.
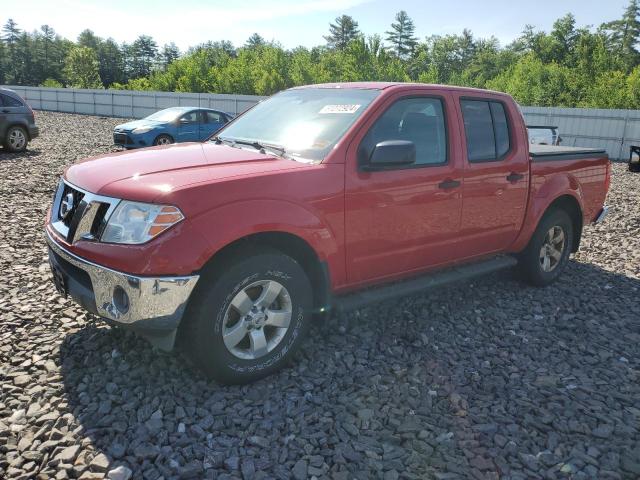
[[120, 473], [300, 470], [488, 378]]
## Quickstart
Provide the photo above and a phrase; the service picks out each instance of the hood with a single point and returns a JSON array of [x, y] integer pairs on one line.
[[129, 126], [146, 174]]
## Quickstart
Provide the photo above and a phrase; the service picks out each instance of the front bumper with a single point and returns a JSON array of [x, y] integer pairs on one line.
[[33, 132], [154, 306]]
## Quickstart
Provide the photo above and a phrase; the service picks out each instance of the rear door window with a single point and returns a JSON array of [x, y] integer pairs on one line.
[[486, 130], [213, 117]]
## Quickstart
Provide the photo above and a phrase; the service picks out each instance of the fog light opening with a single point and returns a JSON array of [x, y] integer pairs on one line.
[[120, 300]]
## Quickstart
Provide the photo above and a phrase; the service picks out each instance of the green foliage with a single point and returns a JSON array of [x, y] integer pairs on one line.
[[81, 68], [51, 83], [568, 66]]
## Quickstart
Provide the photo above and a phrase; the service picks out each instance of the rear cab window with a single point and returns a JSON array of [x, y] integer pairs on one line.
[[486, 130], [8, 101]]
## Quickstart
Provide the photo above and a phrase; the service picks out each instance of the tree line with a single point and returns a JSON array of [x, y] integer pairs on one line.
[[570, 66]]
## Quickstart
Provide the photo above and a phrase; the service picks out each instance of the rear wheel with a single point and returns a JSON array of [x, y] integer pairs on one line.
[[248, 320], [548, 251], [163, 140], [15, 139]]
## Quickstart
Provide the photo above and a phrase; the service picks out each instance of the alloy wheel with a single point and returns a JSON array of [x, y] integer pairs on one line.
[[257, 319], [17, 139], [552, 249]]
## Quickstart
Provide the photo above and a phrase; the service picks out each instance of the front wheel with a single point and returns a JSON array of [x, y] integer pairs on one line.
[[163, 140], [248, 320], [16, 139], [548, 251]]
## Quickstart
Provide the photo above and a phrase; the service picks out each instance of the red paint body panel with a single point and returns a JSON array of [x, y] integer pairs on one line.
[[368, 227]]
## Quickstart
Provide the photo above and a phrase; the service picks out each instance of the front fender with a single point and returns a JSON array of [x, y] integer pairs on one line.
[[231, 222]]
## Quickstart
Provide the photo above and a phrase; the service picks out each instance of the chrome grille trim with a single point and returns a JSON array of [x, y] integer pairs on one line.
[[84, 216]]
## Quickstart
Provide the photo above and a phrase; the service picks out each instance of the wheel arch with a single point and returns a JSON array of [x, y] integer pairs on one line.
[[570, 205], [289, 244]]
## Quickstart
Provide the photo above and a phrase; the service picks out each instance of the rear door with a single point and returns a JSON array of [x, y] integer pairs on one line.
[[189, 127], [211, 122], [4, 118], [11, 110], [496, 174], [403, 219]]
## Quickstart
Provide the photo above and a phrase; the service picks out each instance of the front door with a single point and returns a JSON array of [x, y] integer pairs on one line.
[[189, 127], [403, 219]]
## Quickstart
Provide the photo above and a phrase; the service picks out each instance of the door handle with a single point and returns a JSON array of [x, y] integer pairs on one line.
[[448, 184], [6, 111], [513, 177]]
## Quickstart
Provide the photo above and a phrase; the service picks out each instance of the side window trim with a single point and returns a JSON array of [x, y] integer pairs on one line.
[[445, 118], [507, 117]]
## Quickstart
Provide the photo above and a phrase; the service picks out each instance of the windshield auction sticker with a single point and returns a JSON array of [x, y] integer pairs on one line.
[[350, 109]]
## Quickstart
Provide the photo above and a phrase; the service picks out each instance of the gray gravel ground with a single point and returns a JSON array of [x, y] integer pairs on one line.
[[490, 379]]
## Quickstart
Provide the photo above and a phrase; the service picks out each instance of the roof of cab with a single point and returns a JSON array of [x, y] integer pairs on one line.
[[398, 85]]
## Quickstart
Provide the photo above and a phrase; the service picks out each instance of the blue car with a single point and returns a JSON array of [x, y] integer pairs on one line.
[[171, 125]]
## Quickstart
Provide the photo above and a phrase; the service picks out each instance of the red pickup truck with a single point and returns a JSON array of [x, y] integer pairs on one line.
[[321, 197]]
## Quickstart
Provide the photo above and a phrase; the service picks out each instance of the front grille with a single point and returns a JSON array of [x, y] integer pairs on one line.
[[77, 214], [70, 197], [121, 139]]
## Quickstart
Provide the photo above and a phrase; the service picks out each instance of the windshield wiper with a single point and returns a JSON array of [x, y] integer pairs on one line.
[[261, 147]]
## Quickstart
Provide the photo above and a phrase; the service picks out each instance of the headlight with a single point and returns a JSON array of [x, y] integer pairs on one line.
[[136, 222], [141, 129]]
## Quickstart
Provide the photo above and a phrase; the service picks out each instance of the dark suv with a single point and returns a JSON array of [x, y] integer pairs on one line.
[[17, 122]]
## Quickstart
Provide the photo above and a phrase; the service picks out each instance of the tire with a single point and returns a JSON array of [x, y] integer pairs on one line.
[[548, 251], [163, 139], [231, 309], [16, 139]]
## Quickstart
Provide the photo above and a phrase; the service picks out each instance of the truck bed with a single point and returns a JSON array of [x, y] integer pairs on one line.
[[541, 153]]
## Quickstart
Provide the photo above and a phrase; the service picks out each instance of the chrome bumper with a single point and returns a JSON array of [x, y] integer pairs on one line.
[[602, 215], [153, 302]]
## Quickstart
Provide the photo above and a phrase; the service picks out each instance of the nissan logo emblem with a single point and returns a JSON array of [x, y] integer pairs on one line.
[[66, 205]]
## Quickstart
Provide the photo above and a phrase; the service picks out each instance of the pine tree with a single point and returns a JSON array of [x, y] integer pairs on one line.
[[624, 35], [169, 54], [254, 41], [401, 36], [342, 32], [144, 51], [11, 33]]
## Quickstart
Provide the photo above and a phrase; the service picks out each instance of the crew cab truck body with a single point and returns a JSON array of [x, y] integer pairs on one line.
[[320, 197]]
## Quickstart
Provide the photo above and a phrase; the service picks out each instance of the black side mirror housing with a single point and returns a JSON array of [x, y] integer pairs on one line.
[[392, 153]]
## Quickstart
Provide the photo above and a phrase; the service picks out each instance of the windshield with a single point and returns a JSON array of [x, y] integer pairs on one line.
[[166, 115], [306, 122]]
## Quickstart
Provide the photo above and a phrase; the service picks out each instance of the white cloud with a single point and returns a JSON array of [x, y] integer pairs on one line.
[[186, 23]]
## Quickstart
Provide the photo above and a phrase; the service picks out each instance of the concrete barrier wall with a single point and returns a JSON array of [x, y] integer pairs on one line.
[[614, 130], [127, 103]]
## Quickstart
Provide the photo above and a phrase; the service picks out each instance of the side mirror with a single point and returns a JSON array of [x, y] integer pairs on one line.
[[393, 153], [184, 121]]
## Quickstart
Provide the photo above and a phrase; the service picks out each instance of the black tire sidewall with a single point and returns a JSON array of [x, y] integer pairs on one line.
[[7, 145], [531, 259], [212, 354]]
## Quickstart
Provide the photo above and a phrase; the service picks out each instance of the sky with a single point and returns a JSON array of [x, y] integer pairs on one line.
[[295, 22]]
